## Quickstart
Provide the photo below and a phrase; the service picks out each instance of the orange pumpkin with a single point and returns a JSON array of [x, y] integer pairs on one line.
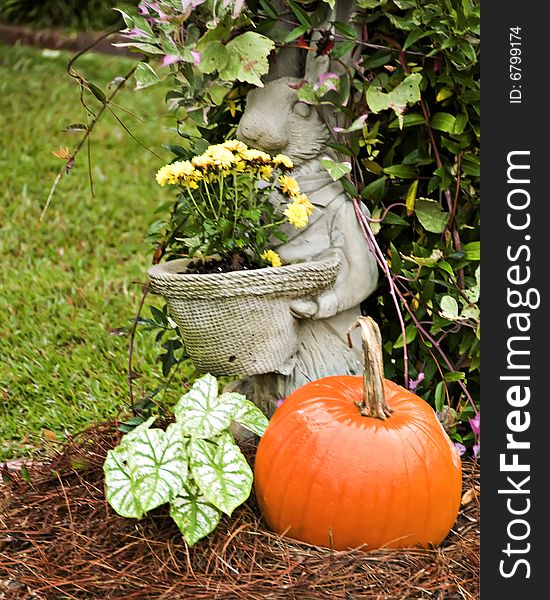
[[358, 461]]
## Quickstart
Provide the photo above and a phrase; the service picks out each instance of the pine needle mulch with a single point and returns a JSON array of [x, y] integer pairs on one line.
[[59, 539]]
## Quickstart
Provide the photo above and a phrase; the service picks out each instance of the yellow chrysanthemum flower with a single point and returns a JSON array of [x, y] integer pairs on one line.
[[252, 155], [304, 201], [235, 145], [266, 172], [272, 257], [289, 186], [240, 166], [283, 160], [296, 215], [202, 161], [165, 175], [184, 170], [221, 156]]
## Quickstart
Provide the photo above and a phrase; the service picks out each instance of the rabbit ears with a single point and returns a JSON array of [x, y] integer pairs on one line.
[[294, 61]]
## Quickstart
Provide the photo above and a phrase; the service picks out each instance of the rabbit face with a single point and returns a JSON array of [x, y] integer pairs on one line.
[[275, 121]]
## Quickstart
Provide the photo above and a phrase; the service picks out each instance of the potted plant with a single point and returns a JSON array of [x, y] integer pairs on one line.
[[226, 288]]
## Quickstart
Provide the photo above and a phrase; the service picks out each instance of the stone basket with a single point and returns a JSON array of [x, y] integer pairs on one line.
[[239, 323]]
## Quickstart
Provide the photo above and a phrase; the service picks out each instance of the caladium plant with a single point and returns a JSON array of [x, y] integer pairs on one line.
[[194, 465]]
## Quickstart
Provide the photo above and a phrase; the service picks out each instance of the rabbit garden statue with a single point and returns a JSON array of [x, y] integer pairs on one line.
[[275, 121]]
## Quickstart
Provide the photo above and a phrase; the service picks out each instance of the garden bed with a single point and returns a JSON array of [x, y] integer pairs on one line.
[[60, 539]]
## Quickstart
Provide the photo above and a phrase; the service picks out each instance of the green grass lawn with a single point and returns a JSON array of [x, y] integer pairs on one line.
[[67, 282]]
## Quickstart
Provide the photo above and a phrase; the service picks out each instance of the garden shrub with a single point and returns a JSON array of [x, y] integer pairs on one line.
[[408, 138]]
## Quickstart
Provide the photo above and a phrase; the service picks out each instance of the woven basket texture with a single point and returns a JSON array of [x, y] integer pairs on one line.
[[239, 323]]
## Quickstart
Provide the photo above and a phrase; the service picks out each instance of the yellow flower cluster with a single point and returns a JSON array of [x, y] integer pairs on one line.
[[222, 159], [272, 257], [300, 209], [242, 166]]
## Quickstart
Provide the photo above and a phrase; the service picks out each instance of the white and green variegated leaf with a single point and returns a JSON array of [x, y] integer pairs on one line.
[[136, 432], [194, 515], [119, 487], [221, 472], [202, 413], [157, 465], [251, 417]]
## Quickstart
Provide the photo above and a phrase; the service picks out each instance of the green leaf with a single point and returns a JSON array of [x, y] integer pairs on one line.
[[472, 251], [145, 48], [75, 128], [157, 314], [473, 292], [349, 187], [214, 57], [411, 197], [202, 413], [300, 13], [470, 165], [247, 58], [428, 261], [345, 29], [411, 332], [373, 166], [145, 76], [376, 190], [97, 92], [396, 262], [221, 472], [401, 171], [251, 417], [449, 308], [392, 219], [407, 92], [336, 170], [443, 122], [295, 33], [414, 36], [443, 94], [128, 20], [408, 120], [440, 396], [431, 215], [218, 93], [269, 9], [455, 376], [194, 515]]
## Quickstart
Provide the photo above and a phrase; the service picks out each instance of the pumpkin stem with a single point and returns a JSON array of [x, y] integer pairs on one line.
[[374, 401]]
